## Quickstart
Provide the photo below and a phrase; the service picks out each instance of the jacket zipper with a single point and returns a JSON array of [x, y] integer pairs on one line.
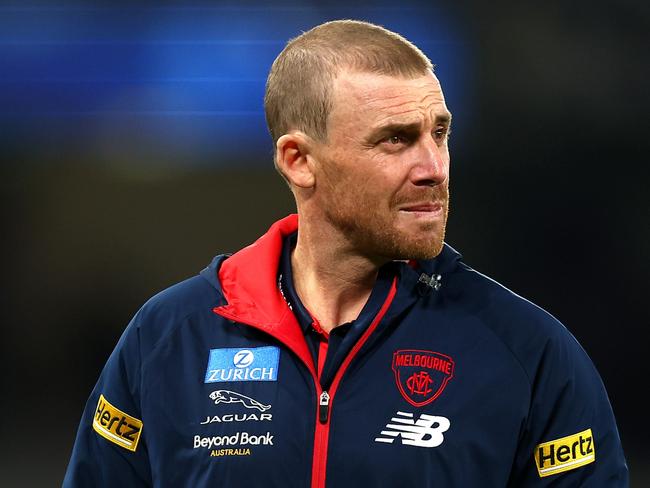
[[323, 407], [326, 398]]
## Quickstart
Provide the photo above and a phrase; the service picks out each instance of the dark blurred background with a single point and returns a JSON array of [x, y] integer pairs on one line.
[[134, 149]]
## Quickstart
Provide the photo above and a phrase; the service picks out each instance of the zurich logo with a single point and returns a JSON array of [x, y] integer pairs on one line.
[[243, 358], [239, 364]]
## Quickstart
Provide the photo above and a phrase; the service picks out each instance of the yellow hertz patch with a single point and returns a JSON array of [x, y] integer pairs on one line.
[[116, 426], [567, 453]]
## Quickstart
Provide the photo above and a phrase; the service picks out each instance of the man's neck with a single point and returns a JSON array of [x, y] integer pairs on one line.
[[332, 281]]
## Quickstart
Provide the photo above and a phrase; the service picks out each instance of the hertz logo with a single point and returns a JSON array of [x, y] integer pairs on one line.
[[566, 453], [116, 426]]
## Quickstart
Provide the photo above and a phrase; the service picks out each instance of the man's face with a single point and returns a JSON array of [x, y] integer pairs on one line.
[[383, 173]]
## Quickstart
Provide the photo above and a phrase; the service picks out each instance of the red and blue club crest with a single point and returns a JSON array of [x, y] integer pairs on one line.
[[421, 376]]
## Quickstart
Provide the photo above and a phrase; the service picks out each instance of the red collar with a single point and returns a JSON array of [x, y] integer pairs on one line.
[[249, 285]]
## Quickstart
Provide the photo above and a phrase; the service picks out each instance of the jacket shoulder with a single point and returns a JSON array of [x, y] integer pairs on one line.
[[529, 331], [172, 307]]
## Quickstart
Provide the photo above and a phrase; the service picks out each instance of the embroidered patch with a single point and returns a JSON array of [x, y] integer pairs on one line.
[[239, 364], [116, 426], [226, 396], [421, 376], [425, 431], [566, 453]]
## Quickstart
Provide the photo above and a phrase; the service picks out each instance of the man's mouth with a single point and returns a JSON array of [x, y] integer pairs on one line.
[[429, 207]]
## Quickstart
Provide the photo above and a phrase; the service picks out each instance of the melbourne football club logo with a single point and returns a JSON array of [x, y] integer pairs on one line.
[[421, 376]]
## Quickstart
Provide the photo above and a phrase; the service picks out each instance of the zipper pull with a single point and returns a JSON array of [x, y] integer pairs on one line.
[[323, 407]]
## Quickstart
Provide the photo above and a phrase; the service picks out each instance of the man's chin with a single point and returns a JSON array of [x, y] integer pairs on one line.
[[422, 248], [426, 242], [424, 252]]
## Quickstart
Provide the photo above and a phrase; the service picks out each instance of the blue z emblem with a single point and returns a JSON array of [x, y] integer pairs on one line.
[[243, 364]]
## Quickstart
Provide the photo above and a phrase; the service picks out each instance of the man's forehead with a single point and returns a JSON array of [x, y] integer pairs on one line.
[[389, 95]]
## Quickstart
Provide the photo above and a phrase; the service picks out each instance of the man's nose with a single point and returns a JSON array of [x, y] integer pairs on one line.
[[431, 167]]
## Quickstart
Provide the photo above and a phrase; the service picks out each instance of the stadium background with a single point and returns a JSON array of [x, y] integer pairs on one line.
[[134, 149]]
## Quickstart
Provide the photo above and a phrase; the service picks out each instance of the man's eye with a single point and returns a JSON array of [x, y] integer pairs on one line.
[[442, 132], [394, 140]]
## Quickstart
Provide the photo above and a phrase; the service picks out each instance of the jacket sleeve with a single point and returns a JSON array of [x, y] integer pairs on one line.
[[110, 448], [570, 438]]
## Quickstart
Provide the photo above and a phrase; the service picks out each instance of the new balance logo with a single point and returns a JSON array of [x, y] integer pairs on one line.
[[426, 431]]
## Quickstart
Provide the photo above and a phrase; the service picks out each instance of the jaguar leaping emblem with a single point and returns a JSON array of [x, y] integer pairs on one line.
[[227, 396]]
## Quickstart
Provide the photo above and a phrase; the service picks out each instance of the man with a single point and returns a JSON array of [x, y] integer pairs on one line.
[[349, 346]]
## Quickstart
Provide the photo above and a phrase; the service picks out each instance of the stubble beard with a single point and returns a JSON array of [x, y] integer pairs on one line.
[[376, 236]]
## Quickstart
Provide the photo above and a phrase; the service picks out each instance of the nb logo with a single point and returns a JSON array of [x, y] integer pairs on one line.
[[426, 431]]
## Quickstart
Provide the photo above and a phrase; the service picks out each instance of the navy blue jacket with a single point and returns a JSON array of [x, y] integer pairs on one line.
[[455, 382]]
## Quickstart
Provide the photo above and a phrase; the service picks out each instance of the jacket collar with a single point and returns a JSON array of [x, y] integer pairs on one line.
[[247, 281], [249, 278]]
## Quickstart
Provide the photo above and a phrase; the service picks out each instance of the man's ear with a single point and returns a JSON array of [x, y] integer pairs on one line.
[[294, 158]]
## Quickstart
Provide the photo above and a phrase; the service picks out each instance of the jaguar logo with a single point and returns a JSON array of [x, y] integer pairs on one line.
[[227, 396]]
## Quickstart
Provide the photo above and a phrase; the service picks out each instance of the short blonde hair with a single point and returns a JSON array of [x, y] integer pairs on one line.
[[298, 89]]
